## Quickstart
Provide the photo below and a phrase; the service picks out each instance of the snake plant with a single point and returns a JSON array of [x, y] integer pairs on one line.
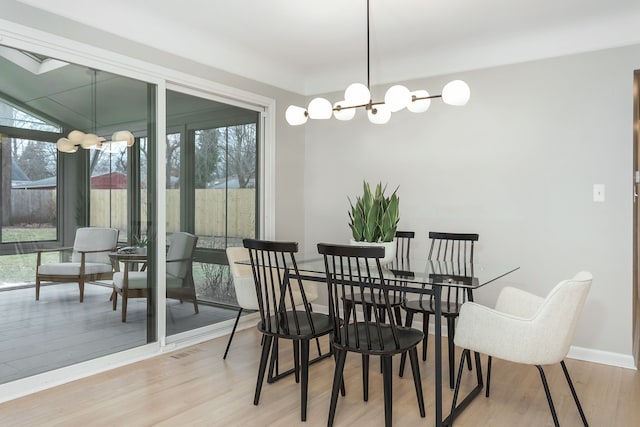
[[374, 217]]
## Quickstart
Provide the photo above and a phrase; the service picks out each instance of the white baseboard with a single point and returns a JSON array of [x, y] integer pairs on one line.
[[602, 357]]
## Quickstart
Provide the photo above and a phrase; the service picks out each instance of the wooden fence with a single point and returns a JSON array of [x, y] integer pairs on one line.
[[33, 206], [218, 212]]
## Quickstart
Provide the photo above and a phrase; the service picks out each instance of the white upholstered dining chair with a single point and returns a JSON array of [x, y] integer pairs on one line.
[[89, 259], [525, 328]]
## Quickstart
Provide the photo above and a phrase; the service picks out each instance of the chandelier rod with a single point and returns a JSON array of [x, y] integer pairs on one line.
[[94, 101], [368, 53]]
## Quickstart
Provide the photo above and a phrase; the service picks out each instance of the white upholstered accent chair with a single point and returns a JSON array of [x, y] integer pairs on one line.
[[133, 284], [525, 328], [89, 259]]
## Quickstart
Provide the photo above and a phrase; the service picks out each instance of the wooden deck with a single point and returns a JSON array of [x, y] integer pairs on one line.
[[58, 330]]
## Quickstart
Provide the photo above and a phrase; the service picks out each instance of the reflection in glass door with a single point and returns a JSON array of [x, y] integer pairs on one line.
[[48, 191], [215, 177]]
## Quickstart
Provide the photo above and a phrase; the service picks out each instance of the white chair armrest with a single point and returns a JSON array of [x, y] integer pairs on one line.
[[502, 335]]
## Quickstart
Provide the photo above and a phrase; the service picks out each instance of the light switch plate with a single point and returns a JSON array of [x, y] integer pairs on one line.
[[598, 192]]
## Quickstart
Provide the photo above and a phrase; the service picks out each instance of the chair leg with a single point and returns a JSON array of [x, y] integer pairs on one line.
[[382, 316], [573, 392], [451, 349], [465, 353], [415, 368], [468, 359], [233, 331], [343, 390], [273, 365], [296, 359], [341, 356], [548, 393], [195, 304], [365, 377], [425, 330], [387, 380], [264, 357], [125, 299], [81, 286], [488, 376], [317, 339], [114, 300], [192, 288], [304, 364], [403, 358], [37, 289]]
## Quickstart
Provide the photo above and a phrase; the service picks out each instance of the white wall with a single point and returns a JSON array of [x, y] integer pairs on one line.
[[516, 165]]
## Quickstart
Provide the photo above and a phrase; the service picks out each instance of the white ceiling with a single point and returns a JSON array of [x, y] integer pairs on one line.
[[318, 46]]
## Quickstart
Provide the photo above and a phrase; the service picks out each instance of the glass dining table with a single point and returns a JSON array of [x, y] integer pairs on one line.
[[425, 277]]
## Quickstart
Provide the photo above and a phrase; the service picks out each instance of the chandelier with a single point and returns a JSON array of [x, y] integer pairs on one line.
[[91, 141], [358, 95]]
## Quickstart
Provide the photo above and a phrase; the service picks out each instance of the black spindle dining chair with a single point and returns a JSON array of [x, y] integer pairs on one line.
[[285, 310], [351, 271], [452, 254]]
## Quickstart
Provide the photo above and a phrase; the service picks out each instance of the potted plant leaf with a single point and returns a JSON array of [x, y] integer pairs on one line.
[[140, 243], [373, 219]]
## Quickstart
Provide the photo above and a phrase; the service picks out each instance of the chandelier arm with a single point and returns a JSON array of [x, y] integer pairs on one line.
[[370, 104], [418, 98]]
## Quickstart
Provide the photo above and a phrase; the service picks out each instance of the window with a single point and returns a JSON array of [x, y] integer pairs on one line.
[[108, 187], [225, 182], [11, 116], [29, 190]]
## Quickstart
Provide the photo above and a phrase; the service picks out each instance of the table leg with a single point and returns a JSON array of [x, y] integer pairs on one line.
[[455, 410], [437, 292]]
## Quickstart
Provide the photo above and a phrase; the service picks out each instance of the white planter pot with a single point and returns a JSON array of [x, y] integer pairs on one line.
[[389, 249]]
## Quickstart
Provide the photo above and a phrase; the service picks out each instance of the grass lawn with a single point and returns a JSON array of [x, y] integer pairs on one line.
[[28, 234], [21, 268]]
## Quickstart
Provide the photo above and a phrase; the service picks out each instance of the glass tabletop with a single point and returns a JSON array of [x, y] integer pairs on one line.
[[424, 272]]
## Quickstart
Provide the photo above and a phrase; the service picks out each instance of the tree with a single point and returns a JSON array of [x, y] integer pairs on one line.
[[239, 148], [37, 159], [173, 160], [206, 156]]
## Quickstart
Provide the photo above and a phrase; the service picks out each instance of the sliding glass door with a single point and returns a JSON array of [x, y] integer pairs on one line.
[[49, 191], [212, 188], [213, 180]]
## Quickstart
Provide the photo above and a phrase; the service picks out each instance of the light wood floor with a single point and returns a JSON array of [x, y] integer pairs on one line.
[[195, 387]]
